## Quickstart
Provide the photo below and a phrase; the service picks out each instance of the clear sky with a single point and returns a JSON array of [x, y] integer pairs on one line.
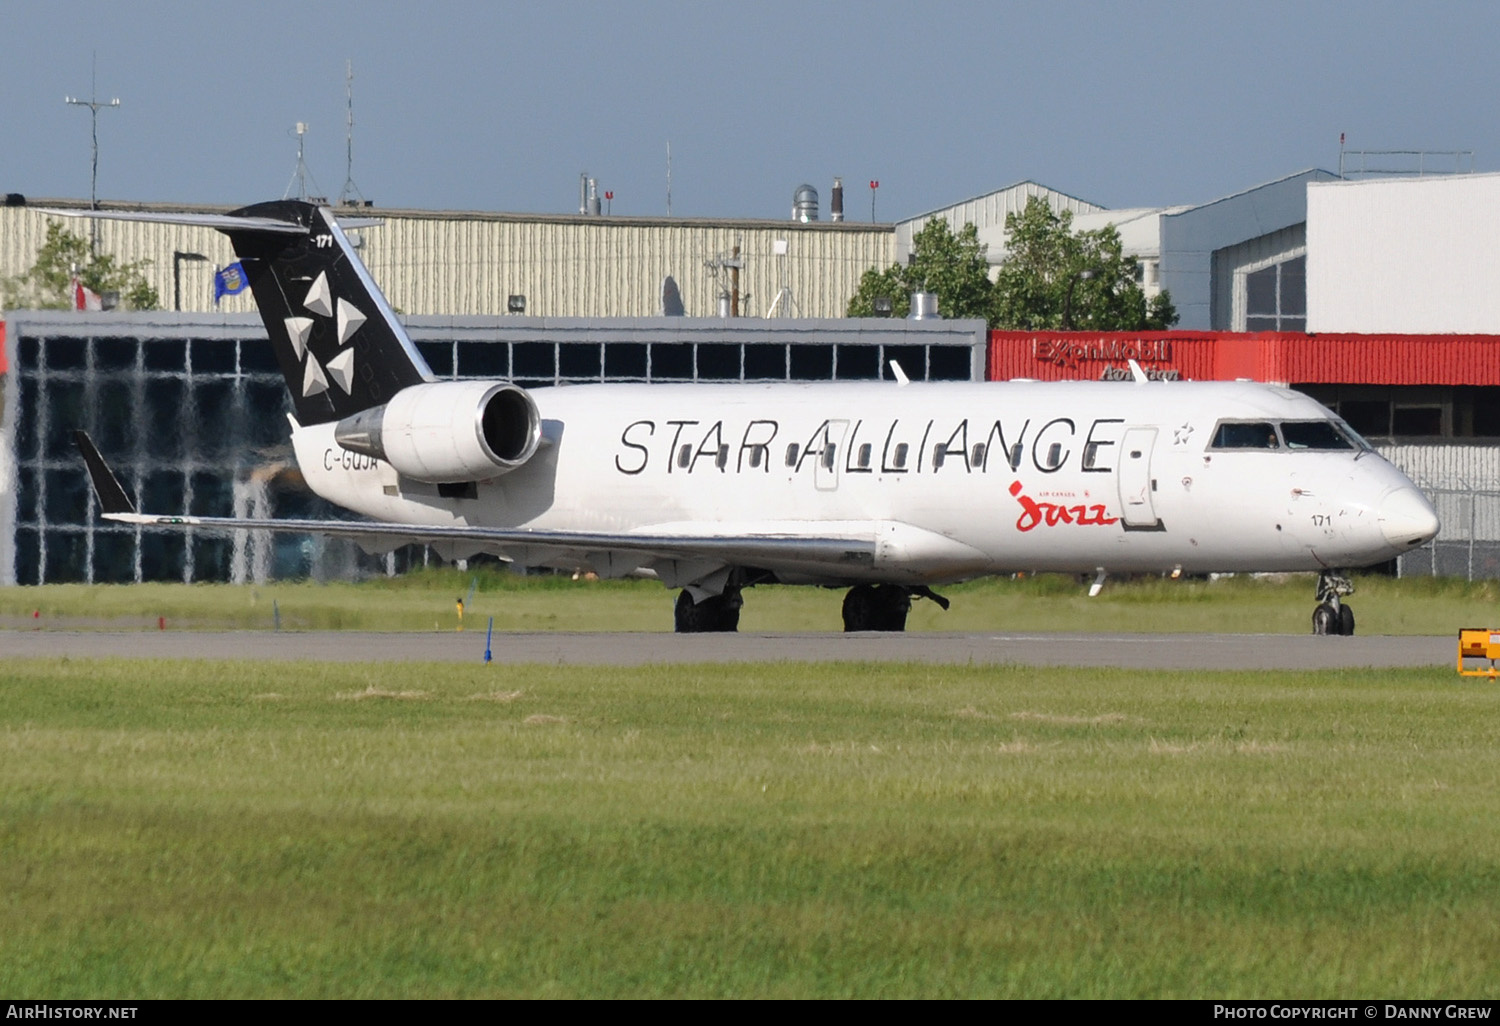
[[489, 105]]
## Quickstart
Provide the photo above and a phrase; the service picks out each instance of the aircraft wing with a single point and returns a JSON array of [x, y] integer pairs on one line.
[[704, 549]]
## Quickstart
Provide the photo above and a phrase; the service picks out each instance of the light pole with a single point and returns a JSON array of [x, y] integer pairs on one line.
[[1087, 274], [95, 105]]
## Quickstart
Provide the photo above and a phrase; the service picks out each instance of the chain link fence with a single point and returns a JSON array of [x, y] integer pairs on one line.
[[1468, 545]]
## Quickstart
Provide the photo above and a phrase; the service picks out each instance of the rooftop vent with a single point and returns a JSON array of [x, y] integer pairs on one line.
[[805, 204]]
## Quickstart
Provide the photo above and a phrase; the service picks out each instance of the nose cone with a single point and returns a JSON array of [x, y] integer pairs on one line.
[[1407, 519]]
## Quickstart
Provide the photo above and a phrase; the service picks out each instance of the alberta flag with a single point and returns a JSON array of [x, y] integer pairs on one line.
[[229, 282]]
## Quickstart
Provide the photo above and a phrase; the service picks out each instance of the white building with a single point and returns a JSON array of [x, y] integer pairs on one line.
[[1232, 264], [1416, 255]]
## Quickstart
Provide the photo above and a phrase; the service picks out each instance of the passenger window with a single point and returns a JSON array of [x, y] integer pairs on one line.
[[978, 458], [830, 456], [685, 456], [864, 455], [1246, 435], [901, 450], [791, 454]]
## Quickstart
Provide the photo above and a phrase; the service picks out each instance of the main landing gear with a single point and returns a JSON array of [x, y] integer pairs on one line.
[[867, 607], [1332, 616], [883, 607], [715, 614]]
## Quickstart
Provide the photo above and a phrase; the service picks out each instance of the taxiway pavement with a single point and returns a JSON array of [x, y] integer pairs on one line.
[[1130, 651]]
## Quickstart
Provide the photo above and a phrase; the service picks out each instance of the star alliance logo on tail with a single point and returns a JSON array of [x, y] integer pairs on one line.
[[349, 319]]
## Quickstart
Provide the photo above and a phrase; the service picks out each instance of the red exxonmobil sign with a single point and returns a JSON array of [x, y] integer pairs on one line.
[[1262, 356], [1113, 351]]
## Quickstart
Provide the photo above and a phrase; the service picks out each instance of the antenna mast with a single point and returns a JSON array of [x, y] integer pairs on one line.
[[349, 190], [301, 175]]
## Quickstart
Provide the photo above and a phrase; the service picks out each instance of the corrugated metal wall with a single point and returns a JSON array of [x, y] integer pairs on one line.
[[23, 230], [593, 267], [989, 211], [461, 264], [1286, 357]]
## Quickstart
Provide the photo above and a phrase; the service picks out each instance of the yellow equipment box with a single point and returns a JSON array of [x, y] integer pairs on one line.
[[1479, 643]]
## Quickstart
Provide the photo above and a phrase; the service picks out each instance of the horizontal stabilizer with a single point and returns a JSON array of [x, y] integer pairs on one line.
[[112, 497], [221, 222]]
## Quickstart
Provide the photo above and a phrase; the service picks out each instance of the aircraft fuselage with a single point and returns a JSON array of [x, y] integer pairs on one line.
[[951, 480]]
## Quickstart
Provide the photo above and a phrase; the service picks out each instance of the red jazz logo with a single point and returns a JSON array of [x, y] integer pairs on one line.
[[1034, 514]]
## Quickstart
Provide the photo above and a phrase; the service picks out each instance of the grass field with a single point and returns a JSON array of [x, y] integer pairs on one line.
[[226, 829], [426, 601]]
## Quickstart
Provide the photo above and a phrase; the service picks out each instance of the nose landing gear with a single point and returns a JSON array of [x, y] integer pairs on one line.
[[1332, 616]]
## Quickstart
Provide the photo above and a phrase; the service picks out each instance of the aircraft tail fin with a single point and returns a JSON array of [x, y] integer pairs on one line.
[[112, 497], [337, 340]]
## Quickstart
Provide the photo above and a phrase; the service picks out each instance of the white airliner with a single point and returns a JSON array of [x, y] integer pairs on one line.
[[884, 488]]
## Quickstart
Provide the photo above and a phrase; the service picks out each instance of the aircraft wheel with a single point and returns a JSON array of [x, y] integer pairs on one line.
[[893, 603], [1325, 620], [880, 607], [860, 609], [1346, 621], [715, 614]]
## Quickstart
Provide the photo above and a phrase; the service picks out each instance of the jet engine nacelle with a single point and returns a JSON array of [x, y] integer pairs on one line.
[[442, 432]]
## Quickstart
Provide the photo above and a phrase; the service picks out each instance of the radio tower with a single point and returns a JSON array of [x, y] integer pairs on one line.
[[348, 193]]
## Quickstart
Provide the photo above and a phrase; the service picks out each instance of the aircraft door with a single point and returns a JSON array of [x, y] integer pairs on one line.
[[1137, 510], [826, 474]]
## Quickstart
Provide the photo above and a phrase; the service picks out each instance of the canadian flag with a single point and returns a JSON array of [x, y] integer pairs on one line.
[[84, 298]]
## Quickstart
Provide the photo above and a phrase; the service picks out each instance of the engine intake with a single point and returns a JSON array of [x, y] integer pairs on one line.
[[443, 432]]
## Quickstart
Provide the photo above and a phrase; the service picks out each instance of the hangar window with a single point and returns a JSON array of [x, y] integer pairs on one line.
[[1275, 297], [1417, 420], [765, 362], [1367, 416]]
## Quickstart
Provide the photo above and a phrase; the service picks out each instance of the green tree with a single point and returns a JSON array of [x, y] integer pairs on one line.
[[951, 266], [62, 256], [1055, 279]]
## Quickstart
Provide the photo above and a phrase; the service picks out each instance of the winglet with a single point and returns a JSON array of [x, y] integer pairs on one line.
[[112, 497]]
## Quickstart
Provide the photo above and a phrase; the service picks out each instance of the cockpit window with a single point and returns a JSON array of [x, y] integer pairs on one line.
[[1314, 434], [1245, 435], [1354, 436]]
